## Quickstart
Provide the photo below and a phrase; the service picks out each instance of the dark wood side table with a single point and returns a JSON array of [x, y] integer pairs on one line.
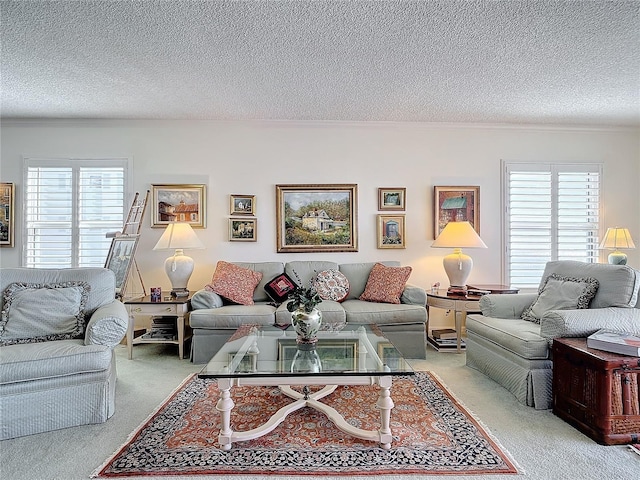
[[166, 307], [460, 304]]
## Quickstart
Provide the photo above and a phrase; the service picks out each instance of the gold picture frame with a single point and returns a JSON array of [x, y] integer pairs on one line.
[[392, 199], [7, 214], [317, 218], [243, 229], [121, 258], [184, 203], [242, 204], [391, 231], [456, 204]]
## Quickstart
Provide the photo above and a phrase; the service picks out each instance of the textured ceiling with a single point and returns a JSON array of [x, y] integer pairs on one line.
[[541, 62]]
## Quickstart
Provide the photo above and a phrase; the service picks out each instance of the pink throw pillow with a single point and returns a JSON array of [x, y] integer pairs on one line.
[[385, 284], [234, 283]]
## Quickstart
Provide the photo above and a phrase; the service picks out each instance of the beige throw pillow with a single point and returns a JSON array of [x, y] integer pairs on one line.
[[385, 284]]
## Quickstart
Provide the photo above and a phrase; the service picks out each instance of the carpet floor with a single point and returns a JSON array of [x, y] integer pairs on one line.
[[433, 434]]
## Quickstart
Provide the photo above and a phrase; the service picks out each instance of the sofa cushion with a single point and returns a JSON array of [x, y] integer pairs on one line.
[[268, 271], [232, 316], [331, 285], [304, 272], [561, 293], [361, 312], [234, 283], [358, 274], [385, 284], [279, 287], [39, 312], [619, 284]]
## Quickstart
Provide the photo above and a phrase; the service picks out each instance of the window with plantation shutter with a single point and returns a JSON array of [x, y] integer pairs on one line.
[[69, 207], [552, 212]]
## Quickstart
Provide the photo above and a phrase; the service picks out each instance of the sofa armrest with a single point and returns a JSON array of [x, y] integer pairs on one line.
[[205, 299], [582, 323], [414, 295], [505, 305], [108, 325]]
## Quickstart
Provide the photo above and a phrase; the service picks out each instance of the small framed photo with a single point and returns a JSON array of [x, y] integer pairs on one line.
[[243, 204], [243, 229], [457, 204], [178, 203], [391, 231], [7, 215], [392, 198]]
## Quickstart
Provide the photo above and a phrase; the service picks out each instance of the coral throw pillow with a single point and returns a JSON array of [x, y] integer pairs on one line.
[[234, 283], [385, 284], [331, 285]]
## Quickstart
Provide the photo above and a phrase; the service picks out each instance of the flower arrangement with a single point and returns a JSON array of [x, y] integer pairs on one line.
[[303, 298]]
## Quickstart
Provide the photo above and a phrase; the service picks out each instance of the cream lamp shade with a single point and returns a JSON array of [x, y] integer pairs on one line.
[[179, 267], [615, 239], [457, 265]]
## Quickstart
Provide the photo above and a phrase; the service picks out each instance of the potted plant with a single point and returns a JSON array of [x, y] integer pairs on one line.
[[305, 317]]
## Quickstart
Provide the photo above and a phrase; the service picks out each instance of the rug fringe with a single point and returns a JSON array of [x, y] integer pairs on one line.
[[487, 431], [96, 472]]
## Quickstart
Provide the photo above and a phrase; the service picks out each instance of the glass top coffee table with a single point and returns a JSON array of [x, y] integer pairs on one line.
[[270, 356]]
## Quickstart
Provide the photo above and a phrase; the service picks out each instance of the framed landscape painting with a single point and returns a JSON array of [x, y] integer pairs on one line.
[[7, 206], [391, 231], [317, 218], [456, 204], [392, 198], [178, 203], [121, 258], [243, 229], [243, 204]]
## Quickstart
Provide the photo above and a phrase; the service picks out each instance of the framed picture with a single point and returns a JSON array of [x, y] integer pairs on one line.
[[456, 204], [243, 204], [179, 203], [392, 199], [391, 231], [246, 364], [7, 214], [243, 229], [317, 218], [335, 355], [121, 258], [390, 356]]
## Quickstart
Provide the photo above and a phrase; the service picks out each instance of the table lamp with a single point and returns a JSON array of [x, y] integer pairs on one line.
[[457, 265], [615, 239], [179, 267]]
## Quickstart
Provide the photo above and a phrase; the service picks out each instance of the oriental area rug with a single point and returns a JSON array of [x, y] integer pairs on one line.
[[432, 434]]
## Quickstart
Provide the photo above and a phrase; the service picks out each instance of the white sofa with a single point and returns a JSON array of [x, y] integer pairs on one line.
[[57, 382], [213, 320], [516, 353]]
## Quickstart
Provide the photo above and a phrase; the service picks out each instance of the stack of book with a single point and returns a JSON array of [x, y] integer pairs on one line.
[[162, 328], [445, 339]]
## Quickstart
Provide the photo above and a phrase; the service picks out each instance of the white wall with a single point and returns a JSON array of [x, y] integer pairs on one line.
[[252, 157]]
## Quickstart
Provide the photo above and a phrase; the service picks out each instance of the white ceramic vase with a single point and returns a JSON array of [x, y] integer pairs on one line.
[[306, 324]]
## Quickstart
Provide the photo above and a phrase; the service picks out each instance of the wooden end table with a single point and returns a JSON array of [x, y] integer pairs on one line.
[[166, 307]]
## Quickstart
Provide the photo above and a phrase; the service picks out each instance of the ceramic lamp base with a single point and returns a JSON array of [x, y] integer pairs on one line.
[[457, 266], [617, 258]]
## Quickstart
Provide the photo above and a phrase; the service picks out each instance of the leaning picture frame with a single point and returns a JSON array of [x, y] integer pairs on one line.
[[7, 214], [243, 229], [185, 203], [242, 204], [120, 260], [335, 355], [457, 204], [317, 218], [392, 199], [390, 356], [391, 231]]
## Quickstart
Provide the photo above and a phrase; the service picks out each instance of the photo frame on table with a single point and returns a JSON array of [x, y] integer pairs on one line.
[[7, 214], [121, 258], [392, 199], [390, 356], [179, 203], [335, 355], [317, 218], [243, 229], [242, 204], [391, 231], [457, 204]]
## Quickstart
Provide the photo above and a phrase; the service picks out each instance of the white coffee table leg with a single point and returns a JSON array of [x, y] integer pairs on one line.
[[224, 406], [385, 404]]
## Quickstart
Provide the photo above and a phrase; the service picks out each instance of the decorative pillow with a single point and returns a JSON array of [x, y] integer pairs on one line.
[[234, 283], [331, 285], [41, 312], [280, 287], [385, 284], [561, 293]]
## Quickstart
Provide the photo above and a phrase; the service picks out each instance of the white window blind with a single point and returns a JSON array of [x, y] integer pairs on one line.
[[70, 205], [552, 212]]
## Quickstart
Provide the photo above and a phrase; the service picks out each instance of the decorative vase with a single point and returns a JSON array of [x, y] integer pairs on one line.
[[306, 359], [306, 324]]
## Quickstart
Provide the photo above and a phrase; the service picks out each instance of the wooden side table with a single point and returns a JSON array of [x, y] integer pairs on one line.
[[461, 305], [167, 307]]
